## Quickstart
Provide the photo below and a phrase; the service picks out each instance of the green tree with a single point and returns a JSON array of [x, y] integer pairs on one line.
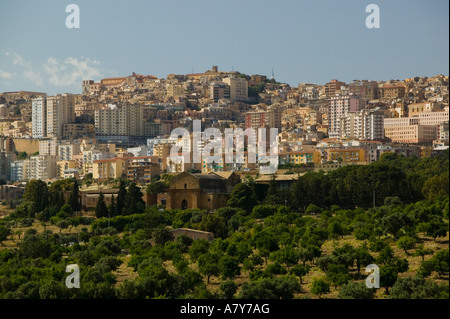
[[157, 187], [228, 289], [422, 252], [74, 198], [335, 230], [208, 265], [439, 263], [313, 209], [388, 276], [436, 186], [337, 275], [435, 228], [199, 247], [162, 235], [300, 271], [112, 207], [406, 243], [229, 267], [355, 290], [282, 287], [134, 204], [121, 195], [418, 288], [363, 258], [243, 197], [319, 287], [36, 193], [4, 233], [100, 209], [214, 224], [62, 224]]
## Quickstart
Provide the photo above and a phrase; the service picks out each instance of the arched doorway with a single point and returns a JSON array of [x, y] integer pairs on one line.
[[184, 204]]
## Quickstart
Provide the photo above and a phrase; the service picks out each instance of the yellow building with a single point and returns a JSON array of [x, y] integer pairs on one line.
[[352, 155], [62, 166], [302, 157], [109, 168]]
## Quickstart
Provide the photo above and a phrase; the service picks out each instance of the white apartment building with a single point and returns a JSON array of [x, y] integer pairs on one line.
[[40, 167], [340, 106], [365, 124], [66, 151], [39, 117]]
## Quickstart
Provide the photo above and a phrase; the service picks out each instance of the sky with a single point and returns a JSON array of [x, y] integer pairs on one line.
[[310, 41]]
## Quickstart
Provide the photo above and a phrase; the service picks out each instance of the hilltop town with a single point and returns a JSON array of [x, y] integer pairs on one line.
[[120, 127]]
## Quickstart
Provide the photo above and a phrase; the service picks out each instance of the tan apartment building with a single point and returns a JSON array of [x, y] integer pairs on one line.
[[73, 131]]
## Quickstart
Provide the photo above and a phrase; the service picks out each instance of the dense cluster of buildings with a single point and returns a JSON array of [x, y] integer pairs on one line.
[[120, 127]]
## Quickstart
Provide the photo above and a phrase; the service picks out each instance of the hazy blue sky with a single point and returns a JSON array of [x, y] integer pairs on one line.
[[302, 40]]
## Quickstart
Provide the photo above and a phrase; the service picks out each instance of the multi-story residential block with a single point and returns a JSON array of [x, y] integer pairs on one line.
[[112, 168], [341, 106], [353, 155], [39, 117], [5, 164], [119, 122], [73, 131], [271, 118], [65, 166], [238, 89], [365, 124], [443, 132], [66, 151], [41, 167], [392, 91], [48, 146], [142, 171], [60, 111], [370, 148], [301, 157], [367, 90], [219, 91], [16, 171], [90, 156], [152, 129], [331, 88]]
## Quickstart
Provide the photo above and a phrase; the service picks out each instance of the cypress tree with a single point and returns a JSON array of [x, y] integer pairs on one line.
[[101, 210], [121, 198], [74, 198], [134, 204]]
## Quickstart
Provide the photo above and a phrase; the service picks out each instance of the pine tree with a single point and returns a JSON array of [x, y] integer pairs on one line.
[[101, 210]]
